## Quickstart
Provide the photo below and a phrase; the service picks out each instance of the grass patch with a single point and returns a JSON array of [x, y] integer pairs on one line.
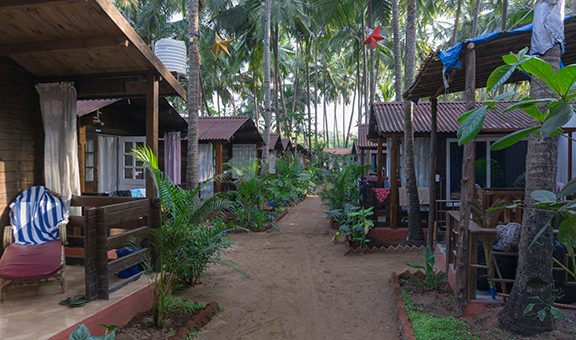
[[177, 303], [431, 326]]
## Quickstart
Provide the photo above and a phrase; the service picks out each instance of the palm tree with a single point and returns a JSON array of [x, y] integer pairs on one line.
[[414, 226], [397, 51], [534, 283], [193, 92], [267, 113]]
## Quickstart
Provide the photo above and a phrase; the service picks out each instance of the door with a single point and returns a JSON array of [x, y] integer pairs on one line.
[[130, 171], [90, 165]]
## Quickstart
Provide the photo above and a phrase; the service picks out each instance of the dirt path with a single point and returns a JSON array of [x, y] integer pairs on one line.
[[299, 286]]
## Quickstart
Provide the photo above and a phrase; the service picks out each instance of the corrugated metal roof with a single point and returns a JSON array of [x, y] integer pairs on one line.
[[286, 144], [84, 107], [390, 118], [275, 143], [338, 151], [363, 142], [223, 129]]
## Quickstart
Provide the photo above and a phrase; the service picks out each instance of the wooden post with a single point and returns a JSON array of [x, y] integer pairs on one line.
[[82, 156], [152, 93], [432, 185], [394, 170], [570, 141], [379, 162], [219, 170], [468, 180]]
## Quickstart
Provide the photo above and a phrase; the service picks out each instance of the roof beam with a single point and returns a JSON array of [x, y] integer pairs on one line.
[[30, 3], [63, 45]]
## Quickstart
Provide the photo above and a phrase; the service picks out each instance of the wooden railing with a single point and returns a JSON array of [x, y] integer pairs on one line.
[[487, 196], [130, 219], [470, 270]]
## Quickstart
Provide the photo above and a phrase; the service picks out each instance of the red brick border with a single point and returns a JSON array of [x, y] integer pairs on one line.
[[197, 322], [383, 249], [406, 331]]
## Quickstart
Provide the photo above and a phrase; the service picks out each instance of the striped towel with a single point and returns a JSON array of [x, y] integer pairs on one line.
[[35, 215]]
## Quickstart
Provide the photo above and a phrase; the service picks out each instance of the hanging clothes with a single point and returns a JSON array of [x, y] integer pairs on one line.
[[173, 156]]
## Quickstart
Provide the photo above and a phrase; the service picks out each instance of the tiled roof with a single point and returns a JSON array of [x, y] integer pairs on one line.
[[275, 143], [84, 107], [338, 151], [390, 118], [223, 129], [286, 144], [362, 142]]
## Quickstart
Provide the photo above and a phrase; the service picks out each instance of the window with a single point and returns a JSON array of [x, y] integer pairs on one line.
[[132, 168], [89, 171], [494, 169]]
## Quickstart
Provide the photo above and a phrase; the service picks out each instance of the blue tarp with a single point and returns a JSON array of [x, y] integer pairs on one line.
[[450, 57]]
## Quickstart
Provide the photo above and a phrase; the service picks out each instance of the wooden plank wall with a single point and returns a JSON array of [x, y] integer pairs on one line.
[[21, 134]]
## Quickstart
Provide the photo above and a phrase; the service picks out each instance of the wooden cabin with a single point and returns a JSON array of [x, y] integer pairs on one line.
[[495, 169], [113, 127], [53, 53], [366, 151], [234, 140], [276, 150]]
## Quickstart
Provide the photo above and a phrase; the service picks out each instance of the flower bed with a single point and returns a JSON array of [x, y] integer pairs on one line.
[[435, 314]]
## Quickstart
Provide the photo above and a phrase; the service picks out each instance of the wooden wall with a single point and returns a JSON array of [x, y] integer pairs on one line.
[[21, 134]]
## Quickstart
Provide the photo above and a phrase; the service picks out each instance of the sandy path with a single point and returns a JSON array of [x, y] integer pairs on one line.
[[299, 286]]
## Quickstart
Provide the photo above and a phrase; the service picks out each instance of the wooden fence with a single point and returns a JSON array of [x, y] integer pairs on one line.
[[110, 223]]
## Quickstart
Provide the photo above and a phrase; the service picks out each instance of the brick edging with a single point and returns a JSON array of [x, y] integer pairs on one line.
[[197, 322], [406, 330], [383, 249]]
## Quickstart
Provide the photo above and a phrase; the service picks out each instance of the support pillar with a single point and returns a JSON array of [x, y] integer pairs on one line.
[[432, 185], [379, 161], [463, 270], [152, 98], [219, 163], [394, 172]]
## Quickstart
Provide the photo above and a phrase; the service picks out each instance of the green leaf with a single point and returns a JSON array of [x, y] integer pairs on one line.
[[543, 196], [567, 232], [539, 234], [529, 308], [500, 76], [513, 138], [566, 77], [510, 59], [558, 117], [556, 313], [543, 71], [569, 189], [467, 114], [80, 333], [472, 125], [530, 107], [541, 315]]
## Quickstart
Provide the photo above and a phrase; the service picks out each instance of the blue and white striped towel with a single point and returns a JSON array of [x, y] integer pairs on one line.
[[36, 215]]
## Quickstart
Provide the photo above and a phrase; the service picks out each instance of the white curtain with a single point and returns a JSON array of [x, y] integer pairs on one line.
[[272, 162], [243, 154], [58, 107], [173, 156], [206, 168], [421, 162], [107, 163]]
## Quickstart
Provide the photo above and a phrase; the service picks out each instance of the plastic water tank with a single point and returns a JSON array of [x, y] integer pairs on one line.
[[172, 53]]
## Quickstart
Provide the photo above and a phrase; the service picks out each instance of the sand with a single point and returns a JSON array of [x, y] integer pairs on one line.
[[300, 286]]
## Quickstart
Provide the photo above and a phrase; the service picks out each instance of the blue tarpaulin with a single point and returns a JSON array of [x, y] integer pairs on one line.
[[450, 58]]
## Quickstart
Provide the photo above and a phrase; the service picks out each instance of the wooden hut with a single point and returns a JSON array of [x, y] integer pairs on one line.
[[276, 150], [234, 140], [366, 151], [113, 127], [495, 169], [85, 50]]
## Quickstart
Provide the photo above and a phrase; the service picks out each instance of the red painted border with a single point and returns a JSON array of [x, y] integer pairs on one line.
[[406, 331], [119, 313]]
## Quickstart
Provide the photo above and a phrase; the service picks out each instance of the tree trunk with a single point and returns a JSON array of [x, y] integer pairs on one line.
[[193, 93], [358, 83], [351, 116], [284, 109], [336, 135], [308, 96], [456, 23], [534, 273], [343, 121], [267, 114], [276, 79], [324, 96], [371, 80], [475, 18], [397, 51], [315, 94], [364, 76], [296, 87], [415, 234], [504, 25], [255, 100]]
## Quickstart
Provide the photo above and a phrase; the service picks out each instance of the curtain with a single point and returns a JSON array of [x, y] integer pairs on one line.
[[272, 162], [243, 154], [173, 156], [206, 169], [421, 162], [107, 163], [61, 169]]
